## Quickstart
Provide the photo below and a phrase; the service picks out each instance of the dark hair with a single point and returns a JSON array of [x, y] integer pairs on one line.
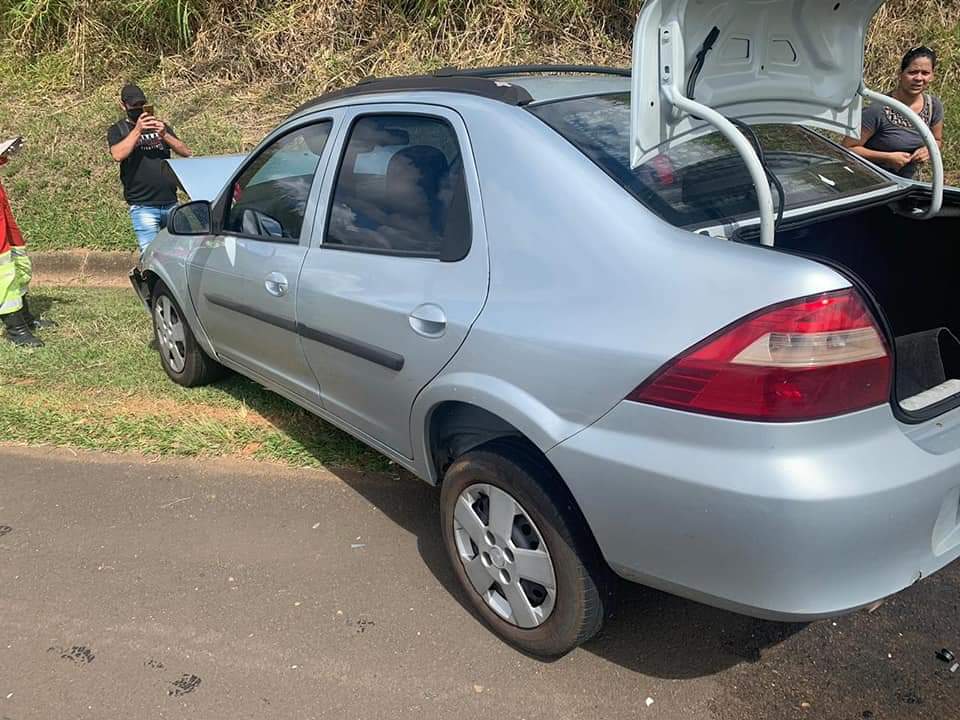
[[918, 52]]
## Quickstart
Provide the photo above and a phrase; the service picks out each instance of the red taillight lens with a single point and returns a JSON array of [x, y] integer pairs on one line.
[[801, 360]]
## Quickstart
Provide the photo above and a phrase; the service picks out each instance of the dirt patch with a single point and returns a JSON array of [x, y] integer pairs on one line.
[[72, 280], [141, 407], [250, 449]]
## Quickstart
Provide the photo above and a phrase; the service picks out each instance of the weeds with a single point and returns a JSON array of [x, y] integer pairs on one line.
[[39, 25]]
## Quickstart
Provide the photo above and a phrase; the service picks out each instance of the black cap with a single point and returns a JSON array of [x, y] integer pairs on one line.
[[132, 96]]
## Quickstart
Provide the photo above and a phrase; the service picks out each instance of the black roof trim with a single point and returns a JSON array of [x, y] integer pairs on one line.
[[504, 92], [504, 70]]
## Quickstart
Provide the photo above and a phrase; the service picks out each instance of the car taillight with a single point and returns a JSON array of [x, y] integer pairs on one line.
[[800, 360]]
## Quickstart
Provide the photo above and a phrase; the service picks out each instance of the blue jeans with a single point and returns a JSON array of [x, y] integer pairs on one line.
[[147, 221]]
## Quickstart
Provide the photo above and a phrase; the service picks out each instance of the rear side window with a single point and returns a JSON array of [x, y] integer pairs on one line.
[[704, 179], [270, 196], [401, 190]]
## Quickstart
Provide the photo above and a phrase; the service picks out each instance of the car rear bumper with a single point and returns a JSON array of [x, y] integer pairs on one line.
[[786, 522]]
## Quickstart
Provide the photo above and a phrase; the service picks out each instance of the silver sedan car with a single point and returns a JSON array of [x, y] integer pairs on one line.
[[601, 367]]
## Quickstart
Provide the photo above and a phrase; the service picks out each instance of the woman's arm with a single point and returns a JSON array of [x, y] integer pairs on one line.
[[895, 160], [921, 154]]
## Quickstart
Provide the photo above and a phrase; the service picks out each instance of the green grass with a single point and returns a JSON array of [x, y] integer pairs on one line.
[[97, 385]]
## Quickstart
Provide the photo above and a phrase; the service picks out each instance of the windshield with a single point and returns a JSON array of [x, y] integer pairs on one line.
[[704, 180]]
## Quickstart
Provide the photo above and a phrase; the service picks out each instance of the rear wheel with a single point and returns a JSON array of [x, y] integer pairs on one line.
[[184, 361], [525, 560]]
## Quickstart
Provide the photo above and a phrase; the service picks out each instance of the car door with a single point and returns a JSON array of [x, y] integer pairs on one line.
[[402, 272], [243, 282]]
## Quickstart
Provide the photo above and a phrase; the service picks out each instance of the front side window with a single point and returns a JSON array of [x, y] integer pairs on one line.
[[401, 189], [270, 196], [704, 178]]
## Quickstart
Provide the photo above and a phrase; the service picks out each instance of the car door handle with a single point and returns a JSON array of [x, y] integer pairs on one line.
[[276, 284], [428, 320]]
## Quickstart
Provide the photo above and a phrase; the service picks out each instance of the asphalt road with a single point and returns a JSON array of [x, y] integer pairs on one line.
[[186, 589]]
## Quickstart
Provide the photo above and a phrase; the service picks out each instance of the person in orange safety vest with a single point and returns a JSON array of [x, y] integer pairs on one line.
[[15, 274]]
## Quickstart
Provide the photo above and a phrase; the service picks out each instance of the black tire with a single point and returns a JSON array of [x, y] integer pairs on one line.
[[198, 367], [584, 583]]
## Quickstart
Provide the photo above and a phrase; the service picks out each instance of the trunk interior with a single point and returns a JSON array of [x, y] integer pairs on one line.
[[910, 267]]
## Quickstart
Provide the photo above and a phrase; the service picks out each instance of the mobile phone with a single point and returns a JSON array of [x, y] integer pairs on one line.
[[148, 109], [11, 147]]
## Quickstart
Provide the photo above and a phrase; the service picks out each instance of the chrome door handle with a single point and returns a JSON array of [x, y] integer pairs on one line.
[[428, 320], [276, 284]]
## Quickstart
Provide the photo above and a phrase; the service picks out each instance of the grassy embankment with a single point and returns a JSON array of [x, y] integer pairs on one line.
[[223, 74]]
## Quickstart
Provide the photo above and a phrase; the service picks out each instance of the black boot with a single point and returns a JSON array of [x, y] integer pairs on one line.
[[18, 331], [36, 323]]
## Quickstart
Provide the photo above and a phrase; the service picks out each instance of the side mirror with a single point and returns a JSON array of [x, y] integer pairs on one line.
[[192, 218]]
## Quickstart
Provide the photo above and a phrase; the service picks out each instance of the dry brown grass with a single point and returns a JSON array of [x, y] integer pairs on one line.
[[329, 44], [333, 42], [903, 24], [337, 41]]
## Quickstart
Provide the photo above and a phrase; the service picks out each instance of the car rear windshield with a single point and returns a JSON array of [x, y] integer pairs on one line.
[[704, 180]]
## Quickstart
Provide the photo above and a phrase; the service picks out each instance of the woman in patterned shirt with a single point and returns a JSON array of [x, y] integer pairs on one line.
[[887, 137]]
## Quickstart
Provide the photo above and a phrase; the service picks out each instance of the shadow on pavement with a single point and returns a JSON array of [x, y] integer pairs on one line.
[[651, 632]]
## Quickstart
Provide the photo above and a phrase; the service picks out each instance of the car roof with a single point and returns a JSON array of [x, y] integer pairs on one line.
[[512, 84]]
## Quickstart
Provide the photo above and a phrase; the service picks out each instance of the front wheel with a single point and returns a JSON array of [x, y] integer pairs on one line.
[[525, 560], [184, 361]]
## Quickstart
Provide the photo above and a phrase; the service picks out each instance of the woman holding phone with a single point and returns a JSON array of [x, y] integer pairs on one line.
[[140, 143], [887, 137]]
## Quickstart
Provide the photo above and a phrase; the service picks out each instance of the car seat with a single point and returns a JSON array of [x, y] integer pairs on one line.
[[413, 181]]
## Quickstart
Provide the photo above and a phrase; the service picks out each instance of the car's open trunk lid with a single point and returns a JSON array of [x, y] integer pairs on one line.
[[772, 61]]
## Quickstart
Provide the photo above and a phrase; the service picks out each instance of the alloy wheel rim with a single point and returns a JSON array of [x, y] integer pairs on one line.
[[170, 334], [504, 555]]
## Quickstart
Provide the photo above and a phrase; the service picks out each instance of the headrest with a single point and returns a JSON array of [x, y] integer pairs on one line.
[[429, 161]]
